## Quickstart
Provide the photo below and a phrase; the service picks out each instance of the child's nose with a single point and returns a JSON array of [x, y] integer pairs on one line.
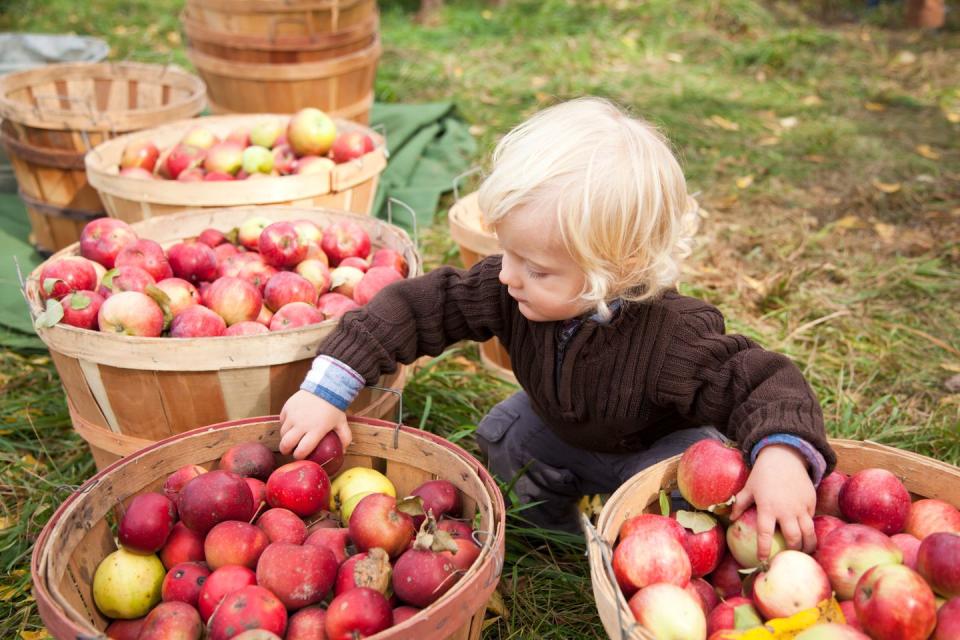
[[508, 273]]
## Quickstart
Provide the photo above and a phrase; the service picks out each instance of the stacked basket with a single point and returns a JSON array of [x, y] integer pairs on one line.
[[53, 115], [284, 55]]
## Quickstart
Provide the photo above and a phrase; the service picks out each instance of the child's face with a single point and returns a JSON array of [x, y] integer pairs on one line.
[[538, 272]]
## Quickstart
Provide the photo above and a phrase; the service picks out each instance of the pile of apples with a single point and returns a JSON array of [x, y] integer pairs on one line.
[[263, 276], [306, 143], [253, 550], [892, 563]]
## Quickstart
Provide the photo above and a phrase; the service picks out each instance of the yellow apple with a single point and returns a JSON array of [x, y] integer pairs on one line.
[[357, 480], [127, 585]]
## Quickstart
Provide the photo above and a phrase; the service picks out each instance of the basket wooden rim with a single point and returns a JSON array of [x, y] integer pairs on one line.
[[200, 32], [102, 169], [921, 475], [206, 354], [48, 565], [257, 71], [464, 230], [111, 121], [273, 6]]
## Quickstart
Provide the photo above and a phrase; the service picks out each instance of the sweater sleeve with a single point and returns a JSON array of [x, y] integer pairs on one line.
[[420, 316], [729, 381]]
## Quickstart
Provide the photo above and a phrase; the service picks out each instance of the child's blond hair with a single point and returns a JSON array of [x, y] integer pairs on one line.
[[618, 192]]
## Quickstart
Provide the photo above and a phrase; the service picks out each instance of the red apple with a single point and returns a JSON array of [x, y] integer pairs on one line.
[[311, 132], [124, 278], [850, 551], [948, 621], [183, 545], [65, 275], [344, 239], [224, 157], [280, 245], [375, 279], [131, 313], [646, 557], [422, 575], [193, 261], [938, 561], [224, 251], [705, 593], [316, 273], [334, 305], [246, 328], [181, 158], [350, 145], [356, 263], [704, 541], [211, 237], [137, 173], [287, 287], [328, 453], [172, 620], [651, 522], [102, 239], [141, 154], [252, 459], [392, 259], [307, 165], [221, 583], [403, 613], [302, 487], [214, 497], [80, 309], [467, 550], [183, 583], [300, 575], [828, 493], [146, 254], [742, 539], [265, 317], [930, 516], [358, 613], [376, 522], [307, 624], [295, 315], [234, 542], [239, 136], [233, 299], [334, 539], [823, 525], [251, 607], [894, 603], [793, 582], [258, 489], [667, 611], [199, 136], [850, 614], [440, 497], [147, 522], [197, 322], [735, 612], [909, 547], [282, 525], [181, 294], [726, 578], [876, 498], [284, 159], [711, 473], [193, 174], [176, 480], [125, 629], [365, 569], [248, 233]]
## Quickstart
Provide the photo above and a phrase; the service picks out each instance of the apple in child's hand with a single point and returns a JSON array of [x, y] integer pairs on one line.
[[668, 611], [183, 545], [711, 473], [302, 487], [131, 313], [876, 498], [180, 158], [300, 575], [265, 133], [311, 132], [938, 561], [742, 537], [357, 613], [372, 282], [328, 453], [233, 299], [147, 522], [141, 154], [930, 515], [828, 493], [390, 258], [197, 321], [214, 497], [281, 246], [65, 275], [200, 137], [282, 525], [181, 293], [221, 583], [102, 239], [334, 305], [257, 159], [344, 239], [893, 601], [183, 583], [350, 145], [80, 309], [252, 607]]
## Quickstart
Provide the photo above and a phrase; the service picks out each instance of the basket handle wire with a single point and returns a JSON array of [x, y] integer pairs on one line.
[[413, 216], [399, 394], [475, 169]]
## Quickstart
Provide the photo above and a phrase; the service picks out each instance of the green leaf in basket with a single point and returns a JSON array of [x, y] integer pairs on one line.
[[411, 505], [745, 617], [163, 300], [49, 316], [696, 521], [79, 301], [107, 279], [664, 503], [49, 284], [233, 236]]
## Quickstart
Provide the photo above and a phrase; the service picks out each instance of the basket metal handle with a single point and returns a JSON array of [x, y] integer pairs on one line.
[[399, 394], [460, 178], [413, 216]]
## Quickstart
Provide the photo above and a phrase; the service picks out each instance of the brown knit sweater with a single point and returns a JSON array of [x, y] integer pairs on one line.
[[656, 367]]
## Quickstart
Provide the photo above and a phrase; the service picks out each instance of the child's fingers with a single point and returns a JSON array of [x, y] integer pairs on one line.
[[741, 503], [809, 534], [790, 529], [765, 527], [311, 438], [290, 439], [344, 433]]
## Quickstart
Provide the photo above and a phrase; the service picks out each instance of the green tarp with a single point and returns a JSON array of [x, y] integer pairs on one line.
[[429, 146]]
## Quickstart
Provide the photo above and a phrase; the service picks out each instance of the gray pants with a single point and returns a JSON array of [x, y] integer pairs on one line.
[[512, 436]]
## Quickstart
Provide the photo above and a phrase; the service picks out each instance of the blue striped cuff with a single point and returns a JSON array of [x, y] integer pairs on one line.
[[333, 381], [815, 460]]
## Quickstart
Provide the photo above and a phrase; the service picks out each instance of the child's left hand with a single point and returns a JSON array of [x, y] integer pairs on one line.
[[782, 490]]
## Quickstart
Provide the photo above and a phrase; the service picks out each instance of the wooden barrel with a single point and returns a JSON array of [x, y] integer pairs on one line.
[[924, 477], [278, 19], [477, 243], [124, 391], [341, 86], [53, 115], [350, 186], [78, 536], [274, 49]]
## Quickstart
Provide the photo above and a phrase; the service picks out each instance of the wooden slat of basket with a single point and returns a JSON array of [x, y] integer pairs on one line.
[[132, 392], [281, 18], [191, 399]]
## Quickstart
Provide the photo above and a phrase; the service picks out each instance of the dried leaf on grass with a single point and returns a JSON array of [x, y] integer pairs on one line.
[[723, 123], [886, 187], [927, 152]]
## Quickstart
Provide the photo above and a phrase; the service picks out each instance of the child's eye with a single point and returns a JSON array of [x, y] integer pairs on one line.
[[535, 275]]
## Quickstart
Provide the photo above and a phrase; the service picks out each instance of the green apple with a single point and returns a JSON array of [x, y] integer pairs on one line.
[[127, 585], [257, 159]]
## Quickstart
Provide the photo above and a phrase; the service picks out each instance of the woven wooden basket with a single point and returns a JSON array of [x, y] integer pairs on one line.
[[350, 186], [280, 19], [477, 243], [923, 477], [341, 86], [276, 49], [125, 392], [53, 115], [78, 535]]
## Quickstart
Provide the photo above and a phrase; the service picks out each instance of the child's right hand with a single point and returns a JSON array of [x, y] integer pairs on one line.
[[305, 419]]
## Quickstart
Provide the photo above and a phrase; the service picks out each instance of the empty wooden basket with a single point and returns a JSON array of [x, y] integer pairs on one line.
[[78, 535], [350, 186], [53, 115], [125, 392]]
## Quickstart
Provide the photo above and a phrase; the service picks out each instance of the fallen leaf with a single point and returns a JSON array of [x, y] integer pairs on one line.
[[885, 231], [42, 634], [744, 181], [905, 58], [723, 123], [812, 100], [789, 123], [953, 116], [874, 106], [675, 57], [486, 14], [886, 187], [950, 366], [173, 37], [927, 152], [849, 222], [768, 141]]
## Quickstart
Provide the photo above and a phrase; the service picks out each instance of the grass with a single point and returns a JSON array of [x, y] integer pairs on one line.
[[820, 136]]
